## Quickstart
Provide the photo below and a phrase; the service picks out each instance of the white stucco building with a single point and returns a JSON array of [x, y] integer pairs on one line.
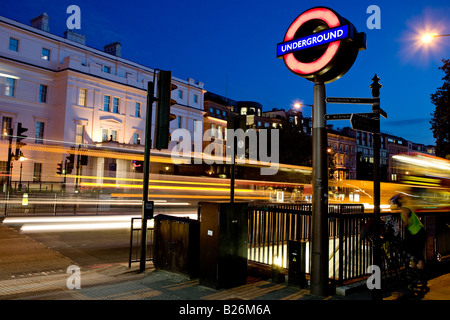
[[67, 93]]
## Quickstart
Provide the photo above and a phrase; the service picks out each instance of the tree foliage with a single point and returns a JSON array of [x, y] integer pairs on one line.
[[440, 123]]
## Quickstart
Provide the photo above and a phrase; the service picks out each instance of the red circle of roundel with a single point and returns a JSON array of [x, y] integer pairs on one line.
[[332, 20]]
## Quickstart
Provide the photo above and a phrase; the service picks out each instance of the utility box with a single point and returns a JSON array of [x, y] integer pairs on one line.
[[176, 243], [297, 263], [223, 244]]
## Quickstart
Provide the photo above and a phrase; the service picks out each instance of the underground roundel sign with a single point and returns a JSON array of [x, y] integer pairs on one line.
[[320, 45]]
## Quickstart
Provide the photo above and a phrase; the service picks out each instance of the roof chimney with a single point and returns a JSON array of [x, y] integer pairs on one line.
[[41, 22], [73, 36], [114, 49]]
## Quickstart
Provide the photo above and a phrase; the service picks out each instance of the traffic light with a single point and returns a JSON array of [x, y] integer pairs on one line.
[[70, 160], [20, 136], [163, 103], [138, 166], [59, 168]]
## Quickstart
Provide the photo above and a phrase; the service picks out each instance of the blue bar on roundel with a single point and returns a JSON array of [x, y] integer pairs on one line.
[[316, 39]]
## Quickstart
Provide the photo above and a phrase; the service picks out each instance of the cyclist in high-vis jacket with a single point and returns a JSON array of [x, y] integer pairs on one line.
[[415, 235]]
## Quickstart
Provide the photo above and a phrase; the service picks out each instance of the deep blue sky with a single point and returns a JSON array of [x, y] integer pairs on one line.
[[230, 46]]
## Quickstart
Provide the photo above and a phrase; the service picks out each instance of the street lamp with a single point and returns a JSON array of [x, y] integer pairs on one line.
[[428, 37], [21, 159], [298, 105]]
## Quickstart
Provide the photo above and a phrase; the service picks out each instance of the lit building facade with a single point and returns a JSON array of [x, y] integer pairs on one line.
[[67, 93]]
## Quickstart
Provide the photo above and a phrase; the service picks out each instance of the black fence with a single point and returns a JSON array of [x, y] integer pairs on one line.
[[15, 204], [135, 242], [272, 226]]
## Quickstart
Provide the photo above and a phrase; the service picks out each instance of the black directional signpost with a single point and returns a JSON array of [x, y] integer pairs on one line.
[[368, 122], [321, 46], [363, 123]]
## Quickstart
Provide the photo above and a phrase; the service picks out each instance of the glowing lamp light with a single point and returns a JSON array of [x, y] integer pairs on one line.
[[427, 37]]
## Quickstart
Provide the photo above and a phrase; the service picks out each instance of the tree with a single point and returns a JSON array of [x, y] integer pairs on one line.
[[440, 123]]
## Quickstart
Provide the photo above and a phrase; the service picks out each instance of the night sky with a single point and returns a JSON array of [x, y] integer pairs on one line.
[[230, 46]]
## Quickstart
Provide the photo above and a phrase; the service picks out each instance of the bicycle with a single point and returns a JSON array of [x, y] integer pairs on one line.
[[392, 254]]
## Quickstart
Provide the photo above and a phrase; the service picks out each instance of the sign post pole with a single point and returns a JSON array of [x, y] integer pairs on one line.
[[146, 169], [319, 258], [375, 86], [309, 31]]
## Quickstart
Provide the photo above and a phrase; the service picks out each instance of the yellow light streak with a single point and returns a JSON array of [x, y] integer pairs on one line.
[[135, 186], [184, 196], [151, 181]]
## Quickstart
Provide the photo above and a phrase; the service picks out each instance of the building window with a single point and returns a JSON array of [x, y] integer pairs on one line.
[[211, 110], [79, 138], [82, 97], [10, 87], [137, 110], [179, 121], [45, 54], [136, 138], [195, 98], [3, 165], [13, 44], [39, 134], [106, 103], [115, 105], [6, 127], [107, 69], [243, 111], [180, 94], [37, 172], [104, 135], [213, 130], [43, 93], [113, 135]]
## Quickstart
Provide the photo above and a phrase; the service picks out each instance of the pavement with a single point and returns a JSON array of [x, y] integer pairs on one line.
[[30, 271]]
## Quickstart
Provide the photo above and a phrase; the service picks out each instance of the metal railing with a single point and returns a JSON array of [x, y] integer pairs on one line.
[[64, 203], [272, 226], [135, 242]]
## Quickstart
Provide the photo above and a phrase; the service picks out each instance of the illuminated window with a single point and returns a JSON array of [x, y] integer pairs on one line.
[[115, 105], [137, 110], [82, 97], [136, 138], [106, 103], [45, 54], [79, 138], [43, 93], [13, 44], [37, 172], [10, 87], [39, 133], [105, 135], [114, 135], [6, 126]]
